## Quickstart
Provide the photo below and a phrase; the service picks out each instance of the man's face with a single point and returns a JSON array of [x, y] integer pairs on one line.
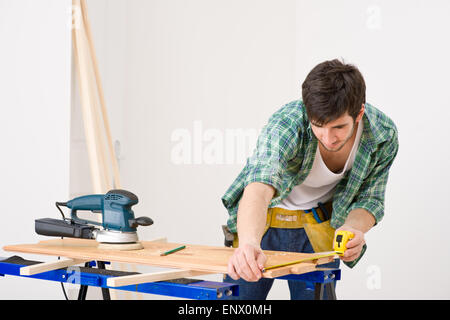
[[335, 134]]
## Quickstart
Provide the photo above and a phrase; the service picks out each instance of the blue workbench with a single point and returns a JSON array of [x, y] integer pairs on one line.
[[320, 280]]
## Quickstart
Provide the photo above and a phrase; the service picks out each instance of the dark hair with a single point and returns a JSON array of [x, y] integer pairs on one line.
[[331, 89]]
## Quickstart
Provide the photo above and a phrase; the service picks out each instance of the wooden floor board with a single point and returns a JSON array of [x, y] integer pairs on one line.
[[196, 257]]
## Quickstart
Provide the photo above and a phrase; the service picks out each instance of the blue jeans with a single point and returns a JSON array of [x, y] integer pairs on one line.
[[293, 240]]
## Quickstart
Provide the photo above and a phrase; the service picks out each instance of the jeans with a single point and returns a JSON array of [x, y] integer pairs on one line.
[[293, 240]]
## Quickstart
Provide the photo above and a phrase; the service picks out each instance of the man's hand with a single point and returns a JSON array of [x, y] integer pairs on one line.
[[354, 246], [247, 262], [359, 221]]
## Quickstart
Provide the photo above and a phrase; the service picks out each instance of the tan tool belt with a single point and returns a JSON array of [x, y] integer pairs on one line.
[[319, 231]]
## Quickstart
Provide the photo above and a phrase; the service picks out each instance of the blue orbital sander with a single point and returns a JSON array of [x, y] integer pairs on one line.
[[118, 223]]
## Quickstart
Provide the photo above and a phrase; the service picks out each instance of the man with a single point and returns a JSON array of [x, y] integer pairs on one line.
[[321, 164]]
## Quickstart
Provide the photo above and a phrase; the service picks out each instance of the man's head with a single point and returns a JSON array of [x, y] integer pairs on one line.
[[334, 94]]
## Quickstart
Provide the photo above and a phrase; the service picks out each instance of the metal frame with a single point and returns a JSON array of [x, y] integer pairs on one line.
[[182, 288], [320, 280]]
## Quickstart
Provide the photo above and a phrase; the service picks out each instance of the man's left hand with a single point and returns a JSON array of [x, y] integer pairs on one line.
[[354, 246]]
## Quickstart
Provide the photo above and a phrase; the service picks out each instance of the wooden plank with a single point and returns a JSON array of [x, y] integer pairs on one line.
[[300, 268], [82, 67], [101, 95], [152, 277], [325, 260], [316, 258], [48, 266], [163, 239], [193, 257]]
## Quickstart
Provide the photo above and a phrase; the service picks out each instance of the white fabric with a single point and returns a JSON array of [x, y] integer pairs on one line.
[[320, 183]]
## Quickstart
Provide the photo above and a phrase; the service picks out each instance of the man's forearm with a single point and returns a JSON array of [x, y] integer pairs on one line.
[[252, 213], [360, 219]]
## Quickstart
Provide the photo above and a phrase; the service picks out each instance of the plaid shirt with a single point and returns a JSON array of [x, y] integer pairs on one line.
[[284, 156]]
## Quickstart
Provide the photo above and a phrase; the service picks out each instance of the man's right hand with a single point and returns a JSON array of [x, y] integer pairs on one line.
[[247, 262]]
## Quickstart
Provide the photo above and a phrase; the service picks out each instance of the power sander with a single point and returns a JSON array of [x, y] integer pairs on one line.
[[118, 220]]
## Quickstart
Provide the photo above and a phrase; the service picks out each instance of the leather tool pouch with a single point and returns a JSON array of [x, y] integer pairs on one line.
[[321, 235]]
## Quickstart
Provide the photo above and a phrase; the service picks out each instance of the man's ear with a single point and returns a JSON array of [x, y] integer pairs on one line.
[[360, 114]]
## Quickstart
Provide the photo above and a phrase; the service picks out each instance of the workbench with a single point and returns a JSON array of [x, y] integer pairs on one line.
[[319, 281], [193, 261]]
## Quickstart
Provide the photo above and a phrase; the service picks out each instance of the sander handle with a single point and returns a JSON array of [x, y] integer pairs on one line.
[[141, 221], [93, 203]]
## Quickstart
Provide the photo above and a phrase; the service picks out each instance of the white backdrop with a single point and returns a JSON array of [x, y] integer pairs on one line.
[[34, 126], [189, 84], [399, 48], [203, 70]]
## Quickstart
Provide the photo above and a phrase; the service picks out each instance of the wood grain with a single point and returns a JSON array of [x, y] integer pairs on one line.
[[208, 259], [48, 266], [152, 277]]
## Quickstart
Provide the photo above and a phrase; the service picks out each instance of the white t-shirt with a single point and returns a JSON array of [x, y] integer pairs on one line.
[[320, 183]]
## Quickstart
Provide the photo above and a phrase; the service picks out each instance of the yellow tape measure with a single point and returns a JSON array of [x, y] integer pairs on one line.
[[301, 260], [339, 245], [340, 241]]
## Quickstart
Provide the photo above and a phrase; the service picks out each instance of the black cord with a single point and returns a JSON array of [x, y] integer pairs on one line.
[[64, 218], [61, 204], [62, 285]]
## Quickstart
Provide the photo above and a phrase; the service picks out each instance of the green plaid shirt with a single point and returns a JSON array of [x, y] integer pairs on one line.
[[284, 156]]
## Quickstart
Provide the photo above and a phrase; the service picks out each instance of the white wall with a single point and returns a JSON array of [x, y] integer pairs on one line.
[[399, 47], [34, 126], [205, 69], [170, 66]]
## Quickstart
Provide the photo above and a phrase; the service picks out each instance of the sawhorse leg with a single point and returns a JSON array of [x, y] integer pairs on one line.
[[319, 288], [105, 291], [83, 288], [323, 280]]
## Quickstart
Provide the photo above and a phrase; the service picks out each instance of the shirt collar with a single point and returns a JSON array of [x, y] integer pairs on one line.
[[373, 132]]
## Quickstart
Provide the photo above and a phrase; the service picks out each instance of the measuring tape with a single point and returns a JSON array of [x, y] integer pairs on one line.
[[339, 245]]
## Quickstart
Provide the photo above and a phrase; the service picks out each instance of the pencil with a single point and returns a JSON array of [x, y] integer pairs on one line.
[[173, 250]]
